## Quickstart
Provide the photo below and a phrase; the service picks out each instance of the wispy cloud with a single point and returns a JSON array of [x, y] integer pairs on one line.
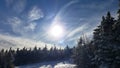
[[87, 34], [66, 6], [77, 30], [15, 21], [31, 26], [7, 41], [16, 24], [20, 27], [35, 14], [84, 30], [62, 10]]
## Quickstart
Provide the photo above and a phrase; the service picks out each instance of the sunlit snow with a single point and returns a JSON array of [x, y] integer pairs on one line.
[[52, 64]]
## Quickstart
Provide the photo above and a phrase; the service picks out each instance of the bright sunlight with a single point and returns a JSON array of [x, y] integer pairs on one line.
[[56, 31]]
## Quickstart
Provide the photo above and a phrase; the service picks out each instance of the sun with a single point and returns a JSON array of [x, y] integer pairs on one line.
[[56, 31]]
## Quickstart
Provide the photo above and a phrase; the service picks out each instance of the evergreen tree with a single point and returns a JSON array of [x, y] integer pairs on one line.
[[68, 51], [106, 42], [9, 59], [116, 27], [116, 40], [2, 59], [80, 54]]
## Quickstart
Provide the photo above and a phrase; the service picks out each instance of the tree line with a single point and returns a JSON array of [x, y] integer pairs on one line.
[[103, 51], [10, 58]]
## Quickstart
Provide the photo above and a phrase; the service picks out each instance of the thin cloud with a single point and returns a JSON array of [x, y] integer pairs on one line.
[[77, 30], [7, 41], [15, 21], [20, 27], [66, 6], [63, 9], [87, 34], [31, 26], [35, 14], [16, 24]]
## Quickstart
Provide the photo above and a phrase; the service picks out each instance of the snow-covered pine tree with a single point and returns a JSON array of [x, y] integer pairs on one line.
[[80, 54], [116, 33], [96, 43], [103, 37], [116, 26]]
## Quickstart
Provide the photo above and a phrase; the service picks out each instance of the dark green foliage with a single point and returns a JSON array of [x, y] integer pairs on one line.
[[82, 54], [25, 56], [68, 51], [6, 59], [29, 56], [106, 43], [104, 49]]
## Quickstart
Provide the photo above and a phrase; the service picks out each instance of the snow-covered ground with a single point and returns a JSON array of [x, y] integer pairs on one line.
[[60, 65], [50, 64], [66, 65]]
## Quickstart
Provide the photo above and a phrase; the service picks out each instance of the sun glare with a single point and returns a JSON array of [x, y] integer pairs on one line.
[[56, 31]]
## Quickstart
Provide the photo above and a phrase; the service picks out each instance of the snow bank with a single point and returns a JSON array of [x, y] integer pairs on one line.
[[62, 65]]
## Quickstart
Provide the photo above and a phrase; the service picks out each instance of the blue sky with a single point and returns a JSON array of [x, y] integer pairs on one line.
[[28, 22]]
